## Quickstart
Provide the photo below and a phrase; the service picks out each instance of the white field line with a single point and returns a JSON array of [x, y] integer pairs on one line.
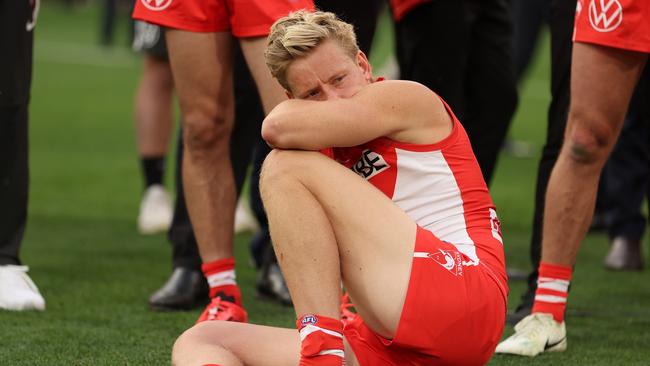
[[85, 55]]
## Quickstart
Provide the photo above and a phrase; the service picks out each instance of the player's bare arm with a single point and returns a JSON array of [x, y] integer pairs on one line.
[[327, 107]]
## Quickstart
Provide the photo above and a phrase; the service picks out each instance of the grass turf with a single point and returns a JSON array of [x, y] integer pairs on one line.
[[96, 272]]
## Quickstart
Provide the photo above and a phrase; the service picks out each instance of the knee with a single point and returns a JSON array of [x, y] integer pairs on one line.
[[281, 166], [183, 346], [589, 139], [198, 338], [206, 130]]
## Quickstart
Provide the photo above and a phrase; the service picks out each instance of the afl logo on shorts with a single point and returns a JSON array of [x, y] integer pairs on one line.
[[156, 5], [605, 15]]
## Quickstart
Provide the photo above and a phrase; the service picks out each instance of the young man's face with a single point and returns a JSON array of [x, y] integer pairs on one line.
[[328, 73]]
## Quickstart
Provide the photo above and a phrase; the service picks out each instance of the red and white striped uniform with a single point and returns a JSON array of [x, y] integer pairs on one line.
[[440, 186], [455, 304]]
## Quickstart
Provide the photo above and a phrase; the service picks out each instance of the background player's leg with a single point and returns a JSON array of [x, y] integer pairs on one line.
[[270, 90], [325, 222], [153, 108], [202, 65], [595, 119], [153, 122]]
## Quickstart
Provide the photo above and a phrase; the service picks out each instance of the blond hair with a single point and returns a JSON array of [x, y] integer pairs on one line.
[[297, 34]]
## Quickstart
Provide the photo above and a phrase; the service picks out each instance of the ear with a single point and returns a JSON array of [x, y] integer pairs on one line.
[[364, 65]]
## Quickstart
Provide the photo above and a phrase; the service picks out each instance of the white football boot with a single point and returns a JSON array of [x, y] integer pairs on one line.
[[17, 291], [244, 219], [155, 210], [534, 334]]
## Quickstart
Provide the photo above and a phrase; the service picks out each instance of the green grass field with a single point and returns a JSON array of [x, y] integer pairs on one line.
[[96, 272]]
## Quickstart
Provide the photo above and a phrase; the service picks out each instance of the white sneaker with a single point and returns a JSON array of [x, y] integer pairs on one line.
[[535, 334], [155, 210], [244, 219], [17, 291]]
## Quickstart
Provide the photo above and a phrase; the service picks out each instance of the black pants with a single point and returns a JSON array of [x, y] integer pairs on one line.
[[462, 51], [627, 172], [14, 181], [16, 45], [528, 17], [561, 23]]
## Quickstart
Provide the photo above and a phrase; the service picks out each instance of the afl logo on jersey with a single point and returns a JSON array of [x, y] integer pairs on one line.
[[605, 15], [156, 5], [370, 164]]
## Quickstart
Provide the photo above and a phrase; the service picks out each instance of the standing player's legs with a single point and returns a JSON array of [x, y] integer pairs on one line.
[[202, 68], [596, 115], [201, 63], [598, 107]]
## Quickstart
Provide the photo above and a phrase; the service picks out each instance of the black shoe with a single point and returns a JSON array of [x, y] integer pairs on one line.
[[184, 290], [624, 255], [524, 309], [516, 274], [270, 281]]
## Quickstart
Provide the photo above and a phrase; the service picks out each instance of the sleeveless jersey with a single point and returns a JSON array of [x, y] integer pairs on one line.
[[439, 186]]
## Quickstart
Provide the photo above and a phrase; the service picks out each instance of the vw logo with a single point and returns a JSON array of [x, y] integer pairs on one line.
[[605, 15]]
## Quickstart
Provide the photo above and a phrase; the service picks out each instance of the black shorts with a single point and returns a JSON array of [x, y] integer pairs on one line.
[[150, 39]]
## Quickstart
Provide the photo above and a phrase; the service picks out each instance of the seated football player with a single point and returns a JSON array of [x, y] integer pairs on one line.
[[372, 184]]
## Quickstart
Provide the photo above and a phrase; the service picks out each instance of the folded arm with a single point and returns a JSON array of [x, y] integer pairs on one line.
[[401, 110]]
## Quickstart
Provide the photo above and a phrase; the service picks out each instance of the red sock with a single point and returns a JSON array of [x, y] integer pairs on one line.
[[321, 341], [552, 290], [221, 278]]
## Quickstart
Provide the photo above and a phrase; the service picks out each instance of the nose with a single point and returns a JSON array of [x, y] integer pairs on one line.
[[331, 93]]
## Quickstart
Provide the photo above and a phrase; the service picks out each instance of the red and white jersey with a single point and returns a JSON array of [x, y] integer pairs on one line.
[[440, 186]]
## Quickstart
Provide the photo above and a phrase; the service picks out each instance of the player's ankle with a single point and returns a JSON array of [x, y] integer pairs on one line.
[[552, 290], [321, 341], [221, 278]]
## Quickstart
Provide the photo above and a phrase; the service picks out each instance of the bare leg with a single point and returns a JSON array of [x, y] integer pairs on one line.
[[326, 222], [602, 82], [202, 67], [235, 344], [231, 343], [270, 90], [153, 108]]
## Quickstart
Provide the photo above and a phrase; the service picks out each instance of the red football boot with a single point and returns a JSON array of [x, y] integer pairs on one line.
[[219, 309]]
